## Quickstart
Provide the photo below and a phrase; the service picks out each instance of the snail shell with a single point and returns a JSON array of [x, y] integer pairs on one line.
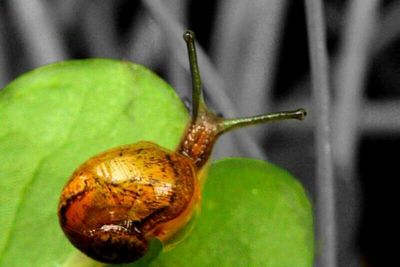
[[116, 202]]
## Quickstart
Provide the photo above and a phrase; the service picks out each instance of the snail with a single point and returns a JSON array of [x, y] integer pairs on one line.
[[116, 202]]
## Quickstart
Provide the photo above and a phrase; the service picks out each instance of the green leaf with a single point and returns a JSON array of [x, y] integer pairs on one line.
[[253, 214], [54, 118]]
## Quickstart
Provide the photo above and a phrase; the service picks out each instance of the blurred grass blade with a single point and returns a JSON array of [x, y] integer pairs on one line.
[[326, 219], [37, 27], [349, 79]]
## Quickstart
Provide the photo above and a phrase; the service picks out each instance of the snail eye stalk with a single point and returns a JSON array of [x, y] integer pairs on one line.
[[197, 94]]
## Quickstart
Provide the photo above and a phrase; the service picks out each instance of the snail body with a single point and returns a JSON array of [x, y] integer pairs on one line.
[[115, 203]]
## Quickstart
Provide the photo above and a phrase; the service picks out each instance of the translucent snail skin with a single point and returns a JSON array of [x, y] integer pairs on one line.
[[117, 202]]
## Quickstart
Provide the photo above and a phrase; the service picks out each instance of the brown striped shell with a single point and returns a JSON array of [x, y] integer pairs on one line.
[[116, 202]]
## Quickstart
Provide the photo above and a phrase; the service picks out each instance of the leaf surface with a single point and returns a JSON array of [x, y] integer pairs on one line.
[[253, 214], [54, 118]]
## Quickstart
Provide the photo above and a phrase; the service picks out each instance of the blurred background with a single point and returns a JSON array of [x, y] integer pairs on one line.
[[254, 58]]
